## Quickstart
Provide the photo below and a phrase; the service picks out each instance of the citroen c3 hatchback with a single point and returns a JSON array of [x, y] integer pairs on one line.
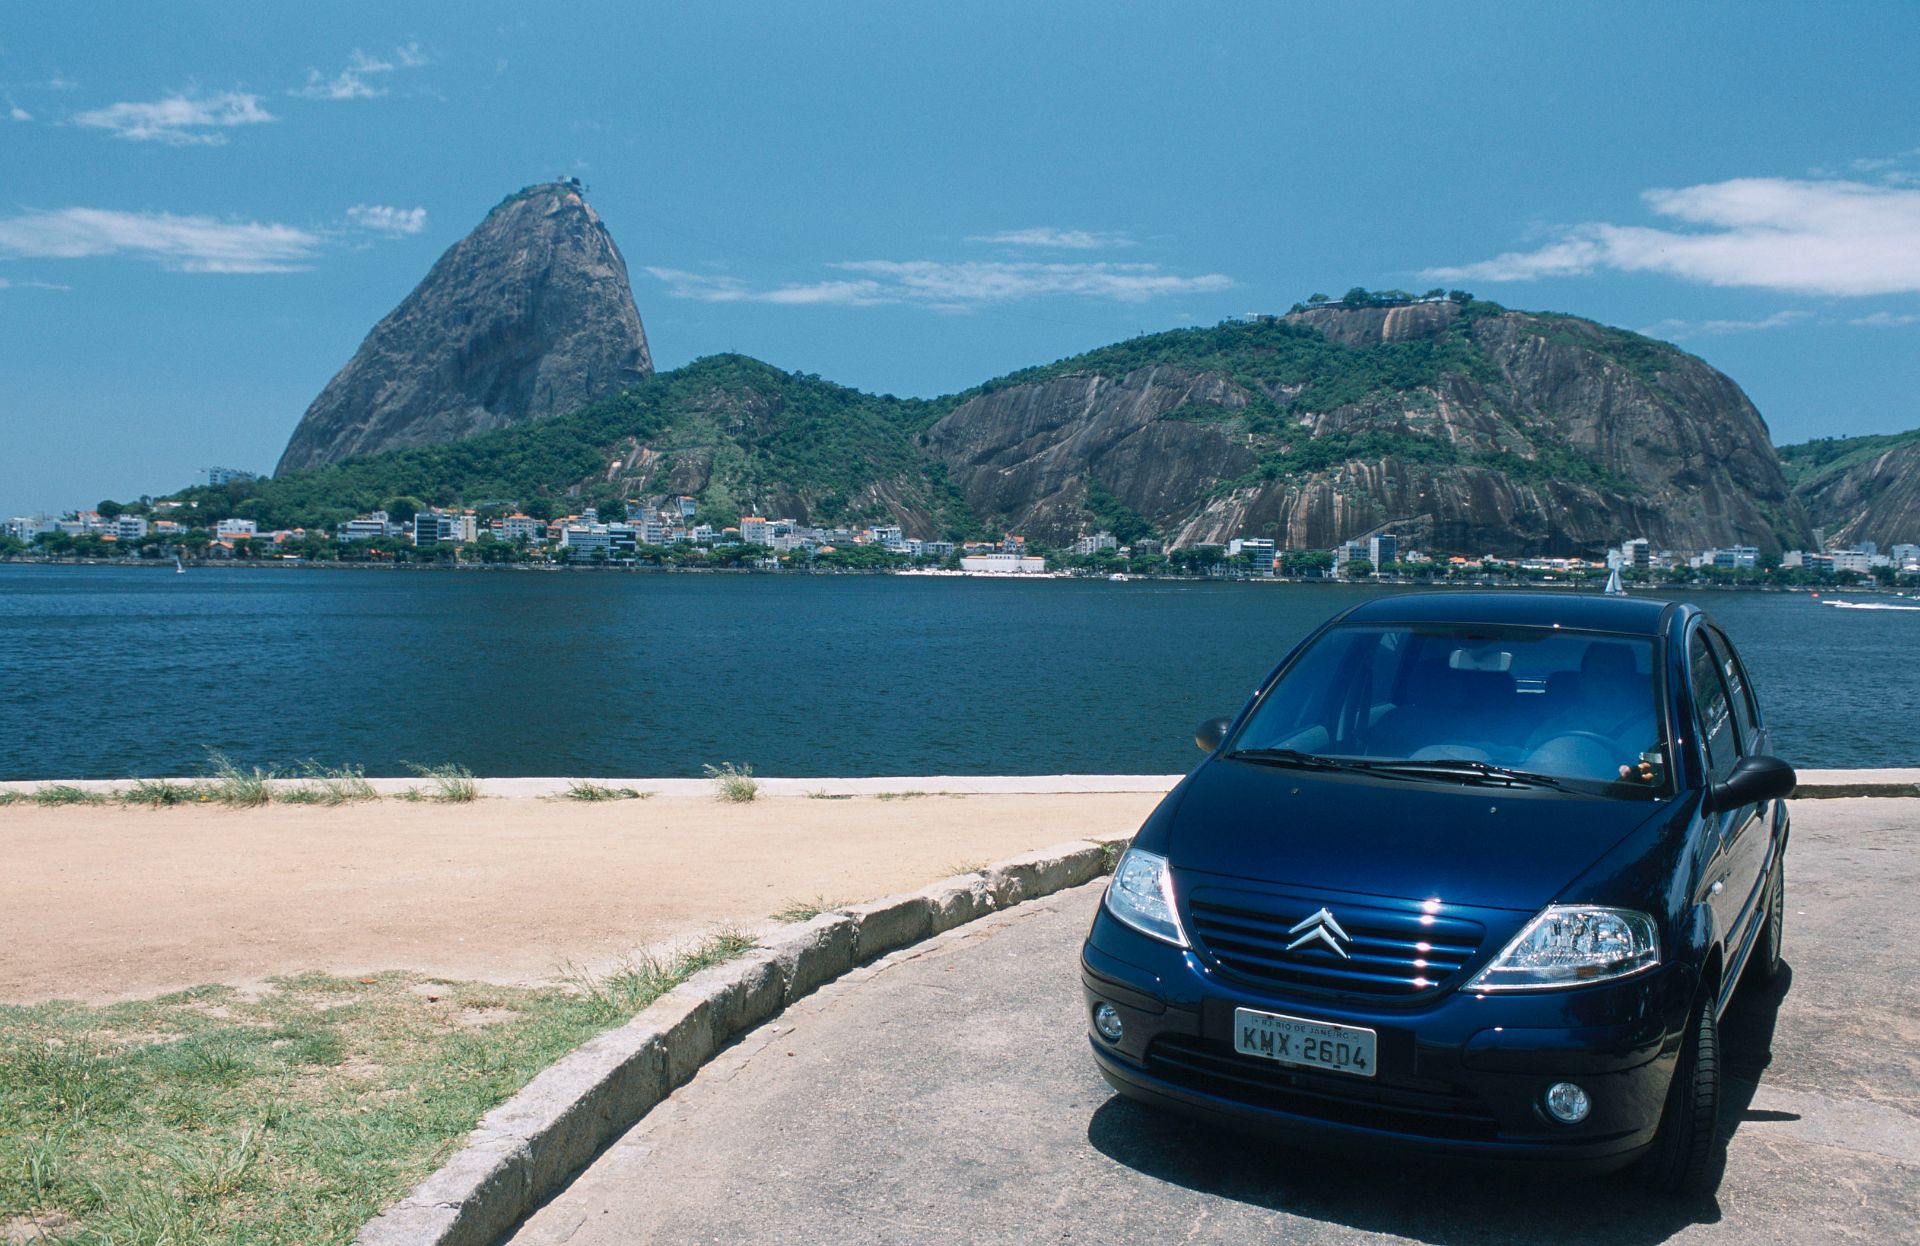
[[1470, 872]]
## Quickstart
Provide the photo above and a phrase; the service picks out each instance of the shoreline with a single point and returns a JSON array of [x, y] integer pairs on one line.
[[266, 564]]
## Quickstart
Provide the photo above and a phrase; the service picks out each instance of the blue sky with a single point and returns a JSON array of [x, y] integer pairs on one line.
[[202, 213]]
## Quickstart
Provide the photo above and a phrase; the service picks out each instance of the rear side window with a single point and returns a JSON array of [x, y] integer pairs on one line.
[[1739, 690], [1718, 736]]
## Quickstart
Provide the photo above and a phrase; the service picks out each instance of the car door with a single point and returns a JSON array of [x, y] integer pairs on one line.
[[1757, 838], [1739, 850]]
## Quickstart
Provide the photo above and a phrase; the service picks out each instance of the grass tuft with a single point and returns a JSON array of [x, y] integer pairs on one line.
[[452, 784], [66, 794], [587, 789], [637, 981], [156, 793], [328, 785], [822, 794], [899, 795], [733, 784], [806, 910], [241, 787]]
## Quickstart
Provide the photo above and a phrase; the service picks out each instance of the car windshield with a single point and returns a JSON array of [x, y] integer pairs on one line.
[[1470, 704]]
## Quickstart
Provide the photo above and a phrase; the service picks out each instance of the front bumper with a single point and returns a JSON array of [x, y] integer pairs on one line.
[[1462, 1074]]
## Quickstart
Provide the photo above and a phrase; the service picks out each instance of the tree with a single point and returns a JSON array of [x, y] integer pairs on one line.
[[1317, 299], [1356, 568], [109, 509], [402, 509]]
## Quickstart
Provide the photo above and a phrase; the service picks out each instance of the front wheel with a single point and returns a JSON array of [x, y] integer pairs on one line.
[[1680, 1160]]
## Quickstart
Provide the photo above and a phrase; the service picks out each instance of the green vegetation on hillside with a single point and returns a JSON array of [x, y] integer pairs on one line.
[[763, 434], [1272, 354], [1808, 461]]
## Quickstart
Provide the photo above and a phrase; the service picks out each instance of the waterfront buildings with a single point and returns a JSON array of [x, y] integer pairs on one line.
[[367, 527], [1003, 563], [1257, 550]]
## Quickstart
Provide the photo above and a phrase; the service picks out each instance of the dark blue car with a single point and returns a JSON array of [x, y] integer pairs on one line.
[[1470, 872]]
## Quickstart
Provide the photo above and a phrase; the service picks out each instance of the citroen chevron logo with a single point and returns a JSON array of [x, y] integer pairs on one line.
[[1323, 928]]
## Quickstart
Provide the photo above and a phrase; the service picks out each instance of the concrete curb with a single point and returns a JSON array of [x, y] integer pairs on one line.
[[526, 1149]]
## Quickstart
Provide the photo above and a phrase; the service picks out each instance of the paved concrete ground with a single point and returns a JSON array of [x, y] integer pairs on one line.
[[945, 1094]]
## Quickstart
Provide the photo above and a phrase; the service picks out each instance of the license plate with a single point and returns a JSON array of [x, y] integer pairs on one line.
[[1296, 1040]]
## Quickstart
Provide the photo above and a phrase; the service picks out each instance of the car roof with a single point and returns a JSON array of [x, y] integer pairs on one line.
[[1631, 615]]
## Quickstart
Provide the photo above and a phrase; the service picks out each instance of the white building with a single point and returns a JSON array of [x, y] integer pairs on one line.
[[366, 527], [23, 528], [1095, 543], [226, 475], [517, 527], [756, 530], [129, 527], [1259, 552], [236, 529], [1003, 564]]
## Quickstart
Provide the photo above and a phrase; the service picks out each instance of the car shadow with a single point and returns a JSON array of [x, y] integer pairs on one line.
[[1746, 1050], [1427, 1199], [1439, 1200]]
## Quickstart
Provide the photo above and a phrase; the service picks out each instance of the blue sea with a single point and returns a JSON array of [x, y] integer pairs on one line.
[[110, 672]]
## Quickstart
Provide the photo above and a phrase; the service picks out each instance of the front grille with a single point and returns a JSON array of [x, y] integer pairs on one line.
[[1393, 952], [1434, 1111]]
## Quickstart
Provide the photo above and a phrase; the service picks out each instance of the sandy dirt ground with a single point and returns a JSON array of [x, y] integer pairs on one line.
[[101, 904]]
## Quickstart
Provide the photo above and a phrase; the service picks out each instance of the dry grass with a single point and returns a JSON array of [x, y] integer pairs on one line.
[[588, 790]]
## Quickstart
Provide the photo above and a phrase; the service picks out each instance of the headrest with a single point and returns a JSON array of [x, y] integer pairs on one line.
[[1606, 661]]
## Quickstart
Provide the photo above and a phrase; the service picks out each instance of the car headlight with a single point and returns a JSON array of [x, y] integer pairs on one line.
[[1572, 945], [1141, 895]]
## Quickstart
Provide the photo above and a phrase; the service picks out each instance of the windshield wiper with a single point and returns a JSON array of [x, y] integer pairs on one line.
[[1294, 757], [1479, 770]]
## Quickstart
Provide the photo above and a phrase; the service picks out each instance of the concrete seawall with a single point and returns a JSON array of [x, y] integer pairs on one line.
[[1901, 781]]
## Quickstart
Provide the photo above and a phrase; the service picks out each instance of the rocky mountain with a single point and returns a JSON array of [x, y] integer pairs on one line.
[[1860, 488], [1459, 424], [528, 316]]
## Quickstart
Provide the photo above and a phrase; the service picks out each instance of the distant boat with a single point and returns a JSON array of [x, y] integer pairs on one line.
[[177, 568], [1614, 587], [1118, 577], [1869, 605]]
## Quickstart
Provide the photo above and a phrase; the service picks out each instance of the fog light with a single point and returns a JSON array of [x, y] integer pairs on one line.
[[1107, 1021], [1567, 1103]]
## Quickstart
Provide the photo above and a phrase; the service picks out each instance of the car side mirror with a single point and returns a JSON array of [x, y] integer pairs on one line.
[[1209, 733], [1753, 780]]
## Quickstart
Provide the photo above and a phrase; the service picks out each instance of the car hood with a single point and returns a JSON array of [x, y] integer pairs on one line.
[[1486, 845]]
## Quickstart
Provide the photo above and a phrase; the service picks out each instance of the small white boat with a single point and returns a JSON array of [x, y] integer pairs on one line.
[[1614, 587], [177, 568], [1869, 605], [1118, 577]]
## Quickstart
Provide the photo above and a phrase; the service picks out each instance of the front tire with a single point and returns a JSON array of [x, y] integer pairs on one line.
[[1681, 1159]]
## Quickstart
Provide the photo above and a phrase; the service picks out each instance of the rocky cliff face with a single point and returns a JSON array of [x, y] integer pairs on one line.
[[1463, 429], [1876, 499], [530, 315]]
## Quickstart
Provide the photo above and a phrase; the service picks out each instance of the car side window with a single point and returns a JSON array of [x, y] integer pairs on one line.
[[1746, 708], [1719, 737]]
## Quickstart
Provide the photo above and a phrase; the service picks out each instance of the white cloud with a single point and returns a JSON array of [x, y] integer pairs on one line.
[[17, 113], [1064, 239], [31, 285], [948, 286], [195, 244], [1837, 237], [1711, 328], [1887, 320], [393, 222], [179, 120], [363, 78]]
